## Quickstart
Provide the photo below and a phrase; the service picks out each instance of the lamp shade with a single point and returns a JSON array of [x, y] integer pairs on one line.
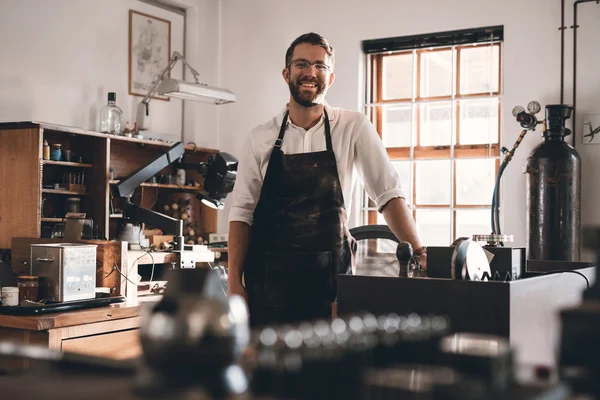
[[195, 91]]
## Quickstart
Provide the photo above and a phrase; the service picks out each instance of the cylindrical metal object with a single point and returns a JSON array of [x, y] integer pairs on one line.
[[404, 253], [554, 193]]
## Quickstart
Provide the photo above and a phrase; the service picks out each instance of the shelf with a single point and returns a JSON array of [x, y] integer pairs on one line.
[[66, 164], [80, 131], [47, 219], [58, 191], [116, 215], [149, 142], [164, 186]]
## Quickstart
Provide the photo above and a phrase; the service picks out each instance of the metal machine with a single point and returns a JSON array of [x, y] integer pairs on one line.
[[67, 271], [220, 172]]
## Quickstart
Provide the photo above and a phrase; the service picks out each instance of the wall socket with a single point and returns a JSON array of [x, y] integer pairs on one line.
[[218, 237]]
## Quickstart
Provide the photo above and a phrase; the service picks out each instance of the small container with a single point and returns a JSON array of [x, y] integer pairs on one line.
[[56, 153], [28, 287], [180, 177], [10, 296], [46, 150], [72, 205]]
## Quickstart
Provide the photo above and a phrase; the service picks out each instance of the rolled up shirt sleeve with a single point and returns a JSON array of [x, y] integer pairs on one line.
[[375, 171], [248, 185]]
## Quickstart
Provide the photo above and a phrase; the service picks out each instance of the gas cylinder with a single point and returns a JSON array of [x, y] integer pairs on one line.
[[553, 176]]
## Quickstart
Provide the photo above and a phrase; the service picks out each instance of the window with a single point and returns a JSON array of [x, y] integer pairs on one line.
[[437, 110]]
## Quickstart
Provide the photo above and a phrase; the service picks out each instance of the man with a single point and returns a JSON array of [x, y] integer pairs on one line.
[[288, 234]]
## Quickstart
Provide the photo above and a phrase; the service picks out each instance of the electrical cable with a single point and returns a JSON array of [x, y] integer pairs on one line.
[[147, 252], [125, 276], [558, 271]]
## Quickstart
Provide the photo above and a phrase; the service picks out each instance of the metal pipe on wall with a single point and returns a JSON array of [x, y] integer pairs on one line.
[[562, 51], [575, 65]]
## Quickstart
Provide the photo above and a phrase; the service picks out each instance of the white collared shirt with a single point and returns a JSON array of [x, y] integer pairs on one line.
[[358, 150]]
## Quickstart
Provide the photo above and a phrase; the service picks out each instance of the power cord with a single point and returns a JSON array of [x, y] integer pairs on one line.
[[124, 276], [147, 252], [571, 271]]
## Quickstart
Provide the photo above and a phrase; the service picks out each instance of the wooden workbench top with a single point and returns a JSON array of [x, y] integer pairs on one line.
[[70, 318]]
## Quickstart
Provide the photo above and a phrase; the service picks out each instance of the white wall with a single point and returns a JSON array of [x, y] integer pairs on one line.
[[203, 21], [60, 58], [257, 33]]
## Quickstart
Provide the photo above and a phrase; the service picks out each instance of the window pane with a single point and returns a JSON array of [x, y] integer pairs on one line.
[[478, 121], [434, 227], [404, 170], [479, 69], [397, 76], [472, 222], [397, 126], [433, 182], [436, 73], [475, 181], [436, 124]]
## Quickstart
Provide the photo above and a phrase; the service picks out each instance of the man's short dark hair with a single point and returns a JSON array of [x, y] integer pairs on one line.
[[314, 39]]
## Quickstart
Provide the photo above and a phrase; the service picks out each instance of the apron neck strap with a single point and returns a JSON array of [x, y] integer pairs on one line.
[[279, 140]]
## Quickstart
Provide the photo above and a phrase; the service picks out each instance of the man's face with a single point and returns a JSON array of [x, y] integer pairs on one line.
[[309, 75]]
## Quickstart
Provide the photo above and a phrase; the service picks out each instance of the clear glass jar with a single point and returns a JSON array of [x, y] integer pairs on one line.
[[28, 287], [110, 116]]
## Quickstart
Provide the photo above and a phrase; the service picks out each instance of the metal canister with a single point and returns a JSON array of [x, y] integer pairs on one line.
[[554, 192]]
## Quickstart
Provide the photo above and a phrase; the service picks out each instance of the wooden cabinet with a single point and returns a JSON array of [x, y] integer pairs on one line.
[[34, 191]]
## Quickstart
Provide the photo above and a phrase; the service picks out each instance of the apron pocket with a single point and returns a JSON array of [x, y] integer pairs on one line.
[[298, 279]]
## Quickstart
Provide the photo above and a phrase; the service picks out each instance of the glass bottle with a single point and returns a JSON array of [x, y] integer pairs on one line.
[[110, 116], [46, 150]]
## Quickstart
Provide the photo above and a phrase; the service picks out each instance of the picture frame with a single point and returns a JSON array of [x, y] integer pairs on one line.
[[149, 52]]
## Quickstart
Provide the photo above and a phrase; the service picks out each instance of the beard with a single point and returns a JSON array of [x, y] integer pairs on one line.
[[306, 98]]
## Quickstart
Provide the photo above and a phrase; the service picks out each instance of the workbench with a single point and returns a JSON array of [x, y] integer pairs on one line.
[[526, 311], [111, 331]]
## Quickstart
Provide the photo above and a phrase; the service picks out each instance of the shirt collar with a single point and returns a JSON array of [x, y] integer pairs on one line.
[[330, 113]]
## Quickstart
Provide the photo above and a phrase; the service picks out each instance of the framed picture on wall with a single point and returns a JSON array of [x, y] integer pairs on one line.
[[149, 51]]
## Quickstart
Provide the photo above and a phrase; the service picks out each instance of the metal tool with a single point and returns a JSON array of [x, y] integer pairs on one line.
[[470, 262], [404, 253]]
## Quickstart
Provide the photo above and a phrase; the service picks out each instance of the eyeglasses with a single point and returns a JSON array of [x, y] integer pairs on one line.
[[305, 64]]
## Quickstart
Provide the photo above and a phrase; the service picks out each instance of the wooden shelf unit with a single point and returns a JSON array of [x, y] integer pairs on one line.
[[66, 164], [63, 191], [25, 171], [165, 186]]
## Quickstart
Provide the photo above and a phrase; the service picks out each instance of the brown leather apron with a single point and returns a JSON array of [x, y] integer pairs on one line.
[[300, 239]]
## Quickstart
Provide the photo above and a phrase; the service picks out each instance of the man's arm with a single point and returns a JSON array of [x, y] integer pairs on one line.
[[244, 198], [400, 220], [239, 238]]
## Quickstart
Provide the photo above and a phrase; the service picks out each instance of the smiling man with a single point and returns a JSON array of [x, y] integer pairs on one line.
[[288, 232]]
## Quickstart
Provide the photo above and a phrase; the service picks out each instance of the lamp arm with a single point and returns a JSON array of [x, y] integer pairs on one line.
[[176, 57], [192, 70]]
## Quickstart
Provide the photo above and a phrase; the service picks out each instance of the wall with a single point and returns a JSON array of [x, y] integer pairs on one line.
[[257, 33], [203, 22], [60, 59]]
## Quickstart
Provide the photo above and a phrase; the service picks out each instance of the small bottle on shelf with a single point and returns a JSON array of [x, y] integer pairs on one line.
[[46, 150], [110, 116]]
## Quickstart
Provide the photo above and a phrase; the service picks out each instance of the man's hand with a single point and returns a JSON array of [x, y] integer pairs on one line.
[[236, 288], [400, 220]]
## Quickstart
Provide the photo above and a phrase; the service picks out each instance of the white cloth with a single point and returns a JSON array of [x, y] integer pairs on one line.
[[358, 150]]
